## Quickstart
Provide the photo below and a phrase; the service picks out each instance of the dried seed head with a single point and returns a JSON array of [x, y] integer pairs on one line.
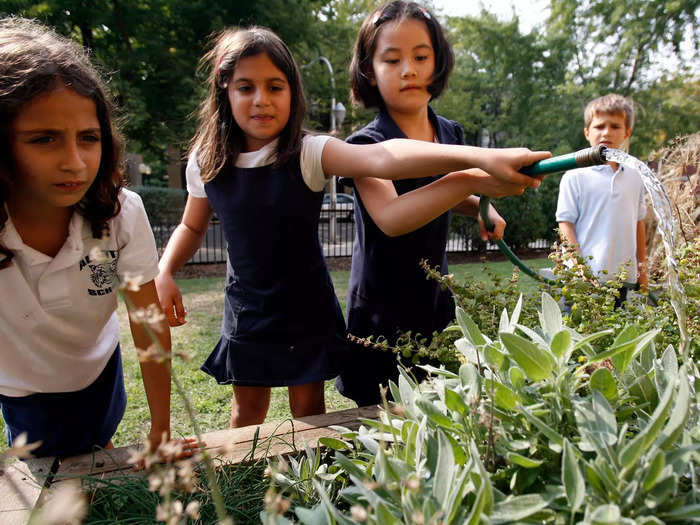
[[131, 281], [154, 482], [20, 449], [413, 484], [358, 513], [417, 518], [192, 510], [65, 506], [152, 354], [97, 255]]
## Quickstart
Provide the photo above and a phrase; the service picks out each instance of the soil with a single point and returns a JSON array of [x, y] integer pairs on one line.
[[194, 271]]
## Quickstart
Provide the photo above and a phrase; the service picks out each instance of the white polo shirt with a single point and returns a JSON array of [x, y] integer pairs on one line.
[[58, 315], [310, 161], [604, 208]]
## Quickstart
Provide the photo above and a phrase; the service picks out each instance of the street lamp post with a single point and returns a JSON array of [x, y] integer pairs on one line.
[[337, 115]]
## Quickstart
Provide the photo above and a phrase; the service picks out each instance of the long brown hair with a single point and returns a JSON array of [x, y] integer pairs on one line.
[[219, 140], [35, 60]]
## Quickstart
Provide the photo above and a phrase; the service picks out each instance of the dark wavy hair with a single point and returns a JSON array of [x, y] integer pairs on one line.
[[361, 89], [219, 140], [35, 60]]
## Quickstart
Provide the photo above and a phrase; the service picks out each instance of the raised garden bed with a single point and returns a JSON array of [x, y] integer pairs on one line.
[[38, 479]]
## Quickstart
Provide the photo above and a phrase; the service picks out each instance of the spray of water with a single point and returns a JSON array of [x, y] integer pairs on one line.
[[662, 208]]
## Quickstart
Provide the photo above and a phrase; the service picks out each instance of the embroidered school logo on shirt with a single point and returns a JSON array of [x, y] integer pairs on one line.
[[102, 273]]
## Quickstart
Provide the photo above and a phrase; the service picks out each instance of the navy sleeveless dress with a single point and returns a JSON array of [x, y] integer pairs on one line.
[[282, 322], [388, 293]]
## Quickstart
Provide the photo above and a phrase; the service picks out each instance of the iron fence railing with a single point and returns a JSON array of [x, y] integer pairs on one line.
[[336, 243]]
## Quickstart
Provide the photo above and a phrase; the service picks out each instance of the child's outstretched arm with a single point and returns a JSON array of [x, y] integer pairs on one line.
[[183, 244], [155, 372], [398, 215], [407, 159]]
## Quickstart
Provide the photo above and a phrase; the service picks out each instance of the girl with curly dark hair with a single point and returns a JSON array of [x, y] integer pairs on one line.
[[69, 234]]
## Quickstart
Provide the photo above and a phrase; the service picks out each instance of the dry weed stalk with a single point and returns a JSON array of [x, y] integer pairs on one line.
[[679, 172]]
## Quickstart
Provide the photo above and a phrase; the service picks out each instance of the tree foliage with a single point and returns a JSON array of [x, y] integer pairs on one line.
[[509, 87], [151, 49], [635, 48]]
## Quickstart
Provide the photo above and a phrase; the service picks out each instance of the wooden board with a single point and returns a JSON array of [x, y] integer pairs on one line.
[[231, 445], [21, 486], [235, 445]]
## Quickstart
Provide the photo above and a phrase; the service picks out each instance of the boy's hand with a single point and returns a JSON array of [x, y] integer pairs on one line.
[[504, 164], [170, 299]]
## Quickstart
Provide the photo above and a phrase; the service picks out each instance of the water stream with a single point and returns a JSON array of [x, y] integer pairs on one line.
[[662, 209]]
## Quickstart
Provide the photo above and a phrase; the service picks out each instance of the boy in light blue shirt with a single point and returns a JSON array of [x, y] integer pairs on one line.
[[601, 208]]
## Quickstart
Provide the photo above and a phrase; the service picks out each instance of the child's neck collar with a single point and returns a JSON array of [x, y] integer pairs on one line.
[[41, 232], [415, 125], [259, 157]]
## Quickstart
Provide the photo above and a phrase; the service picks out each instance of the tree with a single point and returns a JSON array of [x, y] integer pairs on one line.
[[616, 44], [151, 49], [504, 90]]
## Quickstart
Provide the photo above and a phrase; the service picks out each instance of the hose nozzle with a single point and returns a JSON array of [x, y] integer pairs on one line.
[[590, 156], [578, 159]]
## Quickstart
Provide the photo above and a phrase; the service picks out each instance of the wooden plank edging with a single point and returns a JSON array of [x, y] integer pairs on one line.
[[21, 488], [26, 484], [230, 445]]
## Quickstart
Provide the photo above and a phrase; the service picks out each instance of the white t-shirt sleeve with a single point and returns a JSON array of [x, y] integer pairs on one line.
[[310, 161], [195, 186], [642, 206], [567, 207], [137, 247]]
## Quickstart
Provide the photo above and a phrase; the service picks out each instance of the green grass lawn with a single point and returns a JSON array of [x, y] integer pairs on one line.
[[204, 299]]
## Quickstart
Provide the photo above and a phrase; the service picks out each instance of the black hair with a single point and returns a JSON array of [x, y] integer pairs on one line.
[[362, 90]]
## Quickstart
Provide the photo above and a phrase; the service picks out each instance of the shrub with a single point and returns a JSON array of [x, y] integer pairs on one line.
[[163, 205], [546, 429], [525, 218], [589, 307]]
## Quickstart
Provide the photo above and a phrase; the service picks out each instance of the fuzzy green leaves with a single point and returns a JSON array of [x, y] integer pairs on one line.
[[537, 363], [571, 477]]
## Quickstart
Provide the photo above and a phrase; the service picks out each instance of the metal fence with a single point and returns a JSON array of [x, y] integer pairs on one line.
[[213, 249], [336, 240]]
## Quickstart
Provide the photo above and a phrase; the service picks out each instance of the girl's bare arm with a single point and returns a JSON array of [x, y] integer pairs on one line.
[[405, 159], [183, 244], [155, 374], [397, 215]]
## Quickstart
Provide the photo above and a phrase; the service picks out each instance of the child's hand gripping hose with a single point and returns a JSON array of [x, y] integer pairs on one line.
[[578, 159]]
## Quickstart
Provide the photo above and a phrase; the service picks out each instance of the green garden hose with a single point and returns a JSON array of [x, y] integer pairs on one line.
[[578, 159]]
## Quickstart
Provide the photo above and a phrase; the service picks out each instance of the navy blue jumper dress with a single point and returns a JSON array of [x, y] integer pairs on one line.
[[282, 322], [388, 293]]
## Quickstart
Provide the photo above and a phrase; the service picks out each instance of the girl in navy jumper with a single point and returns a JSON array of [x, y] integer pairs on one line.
[[254, 166], [69, 234], [401, 62]]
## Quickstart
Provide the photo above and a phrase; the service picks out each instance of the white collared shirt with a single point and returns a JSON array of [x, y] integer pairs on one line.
[[310, 161], [604, 208], [58, 314]]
